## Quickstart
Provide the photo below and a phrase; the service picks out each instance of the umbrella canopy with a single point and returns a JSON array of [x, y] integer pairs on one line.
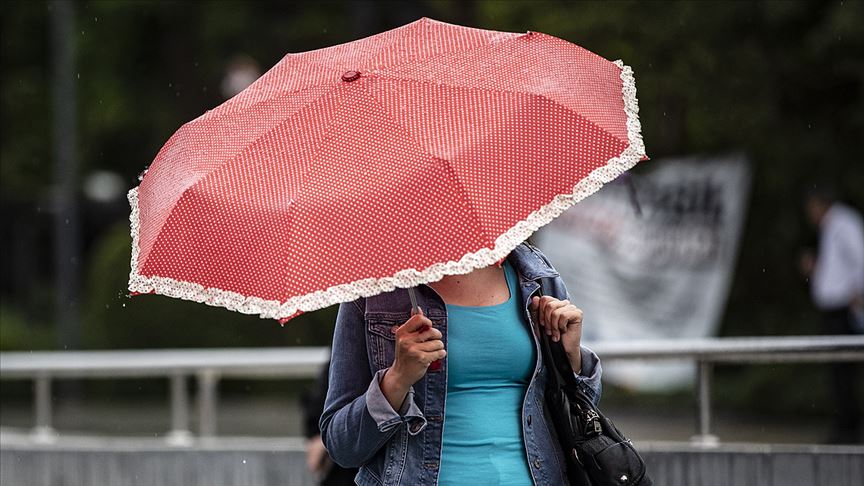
[[427, 150]]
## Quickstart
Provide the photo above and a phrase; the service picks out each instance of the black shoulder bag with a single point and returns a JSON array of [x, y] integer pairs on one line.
[[597, 453]]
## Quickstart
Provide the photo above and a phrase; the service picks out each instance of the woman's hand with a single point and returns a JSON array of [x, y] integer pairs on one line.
[[418, 344], [563, 322]]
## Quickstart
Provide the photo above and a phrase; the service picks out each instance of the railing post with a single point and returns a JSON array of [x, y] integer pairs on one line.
[[208, 382], [43, 431], [704, 370], [179, 434]]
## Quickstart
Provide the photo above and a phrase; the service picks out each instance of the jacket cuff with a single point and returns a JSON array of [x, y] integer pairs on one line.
[[385, 416], [588, 379]]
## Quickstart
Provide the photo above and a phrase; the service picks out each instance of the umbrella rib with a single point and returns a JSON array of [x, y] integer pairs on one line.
[[452, 172], [497, 90], [225, 112], [235, 156], [269, 131], [516, 36], [501, 40]]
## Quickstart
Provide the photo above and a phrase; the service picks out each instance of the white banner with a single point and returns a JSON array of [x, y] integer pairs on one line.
[[664, 274]]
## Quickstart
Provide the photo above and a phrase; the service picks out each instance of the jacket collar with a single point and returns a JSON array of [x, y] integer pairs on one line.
[[531, 264]]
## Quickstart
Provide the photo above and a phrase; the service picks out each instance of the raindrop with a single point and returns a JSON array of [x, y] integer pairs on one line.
[[67, 220], [107, 306], [95, 19], [124, 304], [244, 461], [79, 75], [809, 126], [82, 32], [170, 84], [763, 269]]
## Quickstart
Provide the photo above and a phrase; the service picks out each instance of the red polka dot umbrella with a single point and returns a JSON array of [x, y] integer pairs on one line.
[[391, 161]]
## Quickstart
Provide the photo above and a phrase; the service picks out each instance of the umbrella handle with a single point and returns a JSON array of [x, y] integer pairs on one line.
[[415, 309]]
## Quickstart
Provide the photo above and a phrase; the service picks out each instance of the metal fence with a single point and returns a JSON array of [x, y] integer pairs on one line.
[[208, 366]]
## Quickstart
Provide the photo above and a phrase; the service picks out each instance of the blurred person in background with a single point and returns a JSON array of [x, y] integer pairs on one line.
[[318, 461], [240, 72], [836, 273]]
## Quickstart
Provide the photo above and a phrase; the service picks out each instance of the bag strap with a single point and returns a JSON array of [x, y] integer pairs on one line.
[[555, 357]]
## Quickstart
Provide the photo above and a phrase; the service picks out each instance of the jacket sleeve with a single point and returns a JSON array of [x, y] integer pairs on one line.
[[589, 378], [357, 419]]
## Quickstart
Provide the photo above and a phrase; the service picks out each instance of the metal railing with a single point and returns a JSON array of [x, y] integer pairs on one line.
[[208, 366], [211, 365]]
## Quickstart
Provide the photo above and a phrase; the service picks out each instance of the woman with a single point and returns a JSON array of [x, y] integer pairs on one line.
[[473, 347]]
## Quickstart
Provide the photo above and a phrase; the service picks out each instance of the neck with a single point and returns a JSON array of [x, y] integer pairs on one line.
[[482, 287]]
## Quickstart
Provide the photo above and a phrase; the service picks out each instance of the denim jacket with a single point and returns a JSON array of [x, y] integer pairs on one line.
[[361, 429]]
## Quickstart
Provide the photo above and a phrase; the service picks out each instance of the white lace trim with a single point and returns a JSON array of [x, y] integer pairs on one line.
[[504, 244]]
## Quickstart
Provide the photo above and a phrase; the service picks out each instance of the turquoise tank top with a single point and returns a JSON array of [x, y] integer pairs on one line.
[[490, 359]]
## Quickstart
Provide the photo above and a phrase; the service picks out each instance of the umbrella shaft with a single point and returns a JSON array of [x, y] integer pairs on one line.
[[415, 309]]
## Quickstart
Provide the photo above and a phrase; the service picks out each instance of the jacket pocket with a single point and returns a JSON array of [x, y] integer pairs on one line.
[[381, 336]]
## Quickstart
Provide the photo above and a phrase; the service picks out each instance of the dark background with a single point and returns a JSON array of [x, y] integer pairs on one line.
[[782, 81]]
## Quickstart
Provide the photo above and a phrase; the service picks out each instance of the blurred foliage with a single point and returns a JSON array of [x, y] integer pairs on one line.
[[17, 332], [114, 321], [781, 80]]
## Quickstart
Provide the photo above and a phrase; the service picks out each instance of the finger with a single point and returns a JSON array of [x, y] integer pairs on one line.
[[428, 334], [549, 310], [564, 318], [541, 303], [413, 324], [431, 346], [541, 313], [574, 318], [533, 308], [547, 303]]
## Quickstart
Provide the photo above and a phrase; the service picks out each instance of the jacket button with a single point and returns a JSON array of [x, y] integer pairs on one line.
[[529, 420], [537, 463]]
